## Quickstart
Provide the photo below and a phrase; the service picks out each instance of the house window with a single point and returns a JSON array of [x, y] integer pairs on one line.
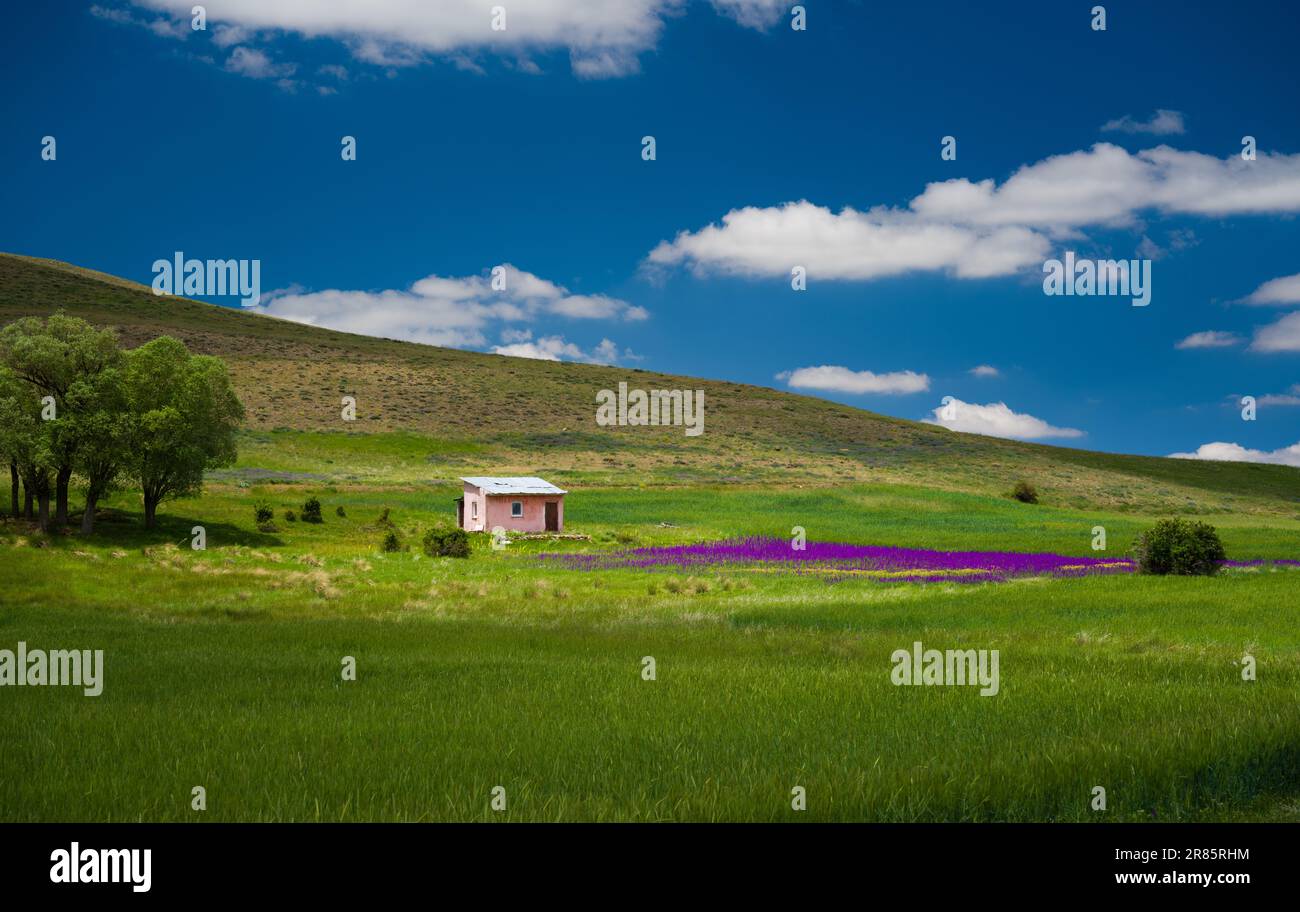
[[473, 509], [516, 508]]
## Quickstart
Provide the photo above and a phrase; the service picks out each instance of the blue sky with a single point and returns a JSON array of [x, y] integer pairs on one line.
[[774, 148]]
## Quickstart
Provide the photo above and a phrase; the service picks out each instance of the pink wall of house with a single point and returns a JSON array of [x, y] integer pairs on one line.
[[485, 512]]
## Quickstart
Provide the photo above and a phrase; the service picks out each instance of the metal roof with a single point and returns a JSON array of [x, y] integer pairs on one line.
[[525, 485]]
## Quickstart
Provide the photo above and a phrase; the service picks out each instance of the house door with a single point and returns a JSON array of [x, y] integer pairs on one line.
[[460, 513], [552, 516]]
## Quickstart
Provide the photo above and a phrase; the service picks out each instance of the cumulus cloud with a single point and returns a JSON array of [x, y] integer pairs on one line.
[[836, 379], [1280, 336], [1161, 123], [985, 370], [1233, 452], [556, 348], [995, 420], [1210, 338], [1106, 185], [457, 311], [603, 37], [847, 245], [982, 229], [1276, 292]]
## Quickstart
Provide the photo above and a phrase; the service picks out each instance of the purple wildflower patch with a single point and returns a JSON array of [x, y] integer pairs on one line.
[[840, 561]]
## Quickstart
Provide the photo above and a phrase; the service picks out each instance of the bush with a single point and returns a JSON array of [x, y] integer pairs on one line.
[[446, 543], [339, 512], [311, 511], [262, 512], [384, 520], [1181, 547], [391, 542], [1025, 492], [290, 516]]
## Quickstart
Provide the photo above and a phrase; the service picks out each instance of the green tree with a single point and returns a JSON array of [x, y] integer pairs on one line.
[[184, 418], [100, 428], [53, 355], [25, 438]]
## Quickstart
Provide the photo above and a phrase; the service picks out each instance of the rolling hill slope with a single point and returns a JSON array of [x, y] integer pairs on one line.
[[512, 414]]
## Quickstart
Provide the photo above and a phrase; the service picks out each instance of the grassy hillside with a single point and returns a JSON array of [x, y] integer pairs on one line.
[[445, 410]]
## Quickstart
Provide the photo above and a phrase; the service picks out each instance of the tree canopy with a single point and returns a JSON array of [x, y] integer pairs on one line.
[[73, 402]]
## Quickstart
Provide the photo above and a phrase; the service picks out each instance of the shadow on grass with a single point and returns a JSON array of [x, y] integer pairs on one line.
[[126, 529]]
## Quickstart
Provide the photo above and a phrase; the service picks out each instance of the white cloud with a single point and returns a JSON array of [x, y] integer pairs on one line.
[[836, 379], [112, 14], [1161, 123], [256, 64], [596, 307], [996, 420], [1210, 338], [1232, 452], [1276, 292], [227, 35], [1106, 185], [847, 245], [1179, 239], [1280, 336], [603, 37], [759, 14], [161, 26], [985, 370], [1289, 398], [456, 311], [556, 348], [981, 229]]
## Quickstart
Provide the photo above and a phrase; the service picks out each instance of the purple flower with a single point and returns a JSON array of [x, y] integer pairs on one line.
[[837, 560]]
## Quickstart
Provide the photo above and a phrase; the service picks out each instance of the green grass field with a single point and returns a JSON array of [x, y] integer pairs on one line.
[[223, 666]]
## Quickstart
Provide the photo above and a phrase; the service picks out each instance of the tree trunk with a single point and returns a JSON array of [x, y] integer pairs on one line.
[[61, 496], [43, 516], [150, 511], [88, 518], [13, 486], [27, 501]]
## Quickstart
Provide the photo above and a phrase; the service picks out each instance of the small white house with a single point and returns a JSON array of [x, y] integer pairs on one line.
[[515, 504]]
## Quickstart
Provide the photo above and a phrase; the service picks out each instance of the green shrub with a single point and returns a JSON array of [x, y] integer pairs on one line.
[[1181, 547], [339, 512], [290, 516], [446, 543], [391, 542], [262, 512], [384, 520], [1025, 492], [311, 511]]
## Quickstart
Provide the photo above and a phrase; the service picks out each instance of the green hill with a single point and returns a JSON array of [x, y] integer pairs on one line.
[[429, 411]]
